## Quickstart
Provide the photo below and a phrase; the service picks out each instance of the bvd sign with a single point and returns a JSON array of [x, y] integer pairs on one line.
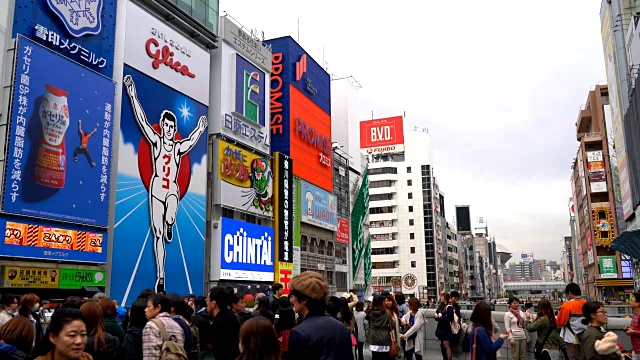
[[382, 136]]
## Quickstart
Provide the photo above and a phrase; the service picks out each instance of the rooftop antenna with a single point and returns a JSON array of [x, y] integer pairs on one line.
[[298, 30], [371, 114]]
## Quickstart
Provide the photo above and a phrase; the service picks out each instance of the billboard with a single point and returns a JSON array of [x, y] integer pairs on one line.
[[246, 44], [83, 31], [463, 219], [77, 278], [246, 179], [28, 277], [30, 240], [381, 136], [360, 239], [59, 152], [319, 207], [342, 236], [301, 112], [595, 166], [247, 251], [283, 218], [608, 267]]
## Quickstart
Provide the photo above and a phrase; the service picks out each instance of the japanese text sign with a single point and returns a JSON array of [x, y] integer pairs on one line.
[[247, 251], [342, 236], [59, 158], [608, 267], [283, 211], [77, 278], [27, 277], [319, 207]]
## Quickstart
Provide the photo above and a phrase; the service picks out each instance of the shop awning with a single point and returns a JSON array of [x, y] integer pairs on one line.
[[628, 243], [615, 282]]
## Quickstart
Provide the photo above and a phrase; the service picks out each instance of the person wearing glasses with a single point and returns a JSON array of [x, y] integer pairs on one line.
[[593, 345]]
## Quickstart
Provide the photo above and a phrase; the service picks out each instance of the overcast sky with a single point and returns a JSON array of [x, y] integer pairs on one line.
[[497, 83]]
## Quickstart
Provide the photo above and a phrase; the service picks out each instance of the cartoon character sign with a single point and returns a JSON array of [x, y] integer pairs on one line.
[[260, 180]]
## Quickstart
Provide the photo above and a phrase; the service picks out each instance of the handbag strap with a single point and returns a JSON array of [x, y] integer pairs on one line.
[[475, 340], [544, 342]]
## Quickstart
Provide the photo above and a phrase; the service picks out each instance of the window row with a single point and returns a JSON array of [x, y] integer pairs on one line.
[[316, 246]]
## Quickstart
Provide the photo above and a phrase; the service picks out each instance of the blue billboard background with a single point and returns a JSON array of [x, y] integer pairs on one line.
[[50, 23], [34, 252], [318, 207], [252, 91], [134, 262], [238, 270], [84, 198], [313, 77]]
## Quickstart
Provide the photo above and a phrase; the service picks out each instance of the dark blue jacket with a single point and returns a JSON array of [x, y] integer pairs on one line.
[[485, 348], [10, 352], [443, 331], [320, 337]]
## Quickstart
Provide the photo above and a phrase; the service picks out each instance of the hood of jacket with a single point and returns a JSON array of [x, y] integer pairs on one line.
[[8, 351], [379, 317]]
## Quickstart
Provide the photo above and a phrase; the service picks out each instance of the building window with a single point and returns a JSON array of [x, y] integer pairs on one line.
[[303, 243], [409, 182], [408, 169], [410, 222], [410, 195], [412, 236], [411, 208], [413, 264], [228, 213], [413, 249]]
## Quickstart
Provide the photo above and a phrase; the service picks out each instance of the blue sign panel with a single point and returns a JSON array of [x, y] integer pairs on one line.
[[250, 90], [247, 251], [59, 154], [84, 30], [159, 231], [26, 239], [319, 207]]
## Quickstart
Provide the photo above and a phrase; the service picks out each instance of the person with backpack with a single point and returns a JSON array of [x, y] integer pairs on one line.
[[514, 324], [178, 311], [200, 321], [162, 337], [569, 320], [444, 316]]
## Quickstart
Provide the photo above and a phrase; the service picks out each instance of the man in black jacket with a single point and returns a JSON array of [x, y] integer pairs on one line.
[[202, 320], [225, 327], [277, 291], [317, 337]]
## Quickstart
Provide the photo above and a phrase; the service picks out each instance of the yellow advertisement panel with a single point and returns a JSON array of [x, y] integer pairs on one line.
[[27, 277]]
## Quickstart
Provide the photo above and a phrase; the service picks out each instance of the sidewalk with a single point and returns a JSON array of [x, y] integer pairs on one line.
[[431, 355]]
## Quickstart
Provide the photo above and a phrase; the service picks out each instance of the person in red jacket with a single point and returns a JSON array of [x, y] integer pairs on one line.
[[84, 145], [633, 330], [569, 320]]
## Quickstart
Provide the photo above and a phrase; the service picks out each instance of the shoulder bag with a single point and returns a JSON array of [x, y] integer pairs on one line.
[[394, 349], [537, 350], [475, 341]]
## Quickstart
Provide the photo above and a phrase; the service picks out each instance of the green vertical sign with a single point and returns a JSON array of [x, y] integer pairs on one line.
[[358, 217], [608, 267], [76, 279]]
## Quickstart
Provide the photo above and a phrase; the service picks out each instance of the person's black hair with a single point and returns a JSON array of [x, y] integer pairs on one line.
[[378, 302], [345, 312], [400, 299], [200, 302], [455, 294], [313, 305], [333, 306], [168, 115], [62, 317], [512, 299], [137, 317], [161, 300], [276, 287], [177, 303], [72, 302], [590, 308], [359, 306], [286, 315], [264, 305], [221, 296], [7, 300], [235, 298], [573, 288], [385, 293], [144, 294], [481, 316], [636, 296]]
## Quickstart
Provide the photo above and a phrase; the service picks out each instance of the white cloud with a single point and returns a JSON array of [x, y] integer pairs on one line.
[[199, 177], [127, 158]]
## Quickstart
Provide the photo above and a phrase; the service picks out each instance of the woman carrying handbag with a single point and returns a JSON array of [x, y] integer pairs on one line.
[[482, 348], [382, 339]]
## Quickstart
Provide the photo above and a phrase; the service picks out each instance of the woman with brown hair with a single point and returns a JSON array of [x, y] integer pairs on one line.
[[29, 306], [111, 324], [100, 344], [16, 339], [258, 340], [546, 326]]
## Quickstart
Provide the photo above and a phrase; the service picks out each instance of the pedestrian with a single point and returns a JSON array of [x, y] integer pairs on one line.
[[131, 348], [68, 335], [239, 308], [44, 346], [380, 329], [178, 310], [72, 302], [454, 296], [264, 309], [403, 308], [318, 336], [121, 312], [29, 306], [285, 321], [225, 327], [158, 322], [16, 339], [201, 320], [360, 333], [569, 321], [100, 344], [111, 323], [258, 340], [444, 317], [333, 307], [277, 290], [596, 317], [546, 326], [633, 330], [257, 299], [480, 339], [415, 336], [8, 308], [345, 315], [144, 295], [514, 326], [391, 305]]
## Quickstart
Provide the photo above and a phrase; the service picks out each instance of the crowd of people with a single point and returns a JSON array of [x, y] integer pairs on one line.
[[306, 324]]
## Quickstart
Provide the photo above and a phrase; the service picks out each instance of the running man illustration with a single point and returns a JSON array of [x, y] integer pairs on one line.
[[84, 145], [163, 189]]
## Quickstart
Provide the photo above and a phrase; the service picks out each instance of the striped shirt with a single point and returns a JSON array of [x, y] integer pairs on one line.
[[152, 338]]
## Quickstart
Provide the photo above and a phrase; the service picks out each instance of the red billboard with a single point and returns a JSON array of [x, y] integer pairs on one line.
[[310, 141], [381, 136], [342, 236]]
